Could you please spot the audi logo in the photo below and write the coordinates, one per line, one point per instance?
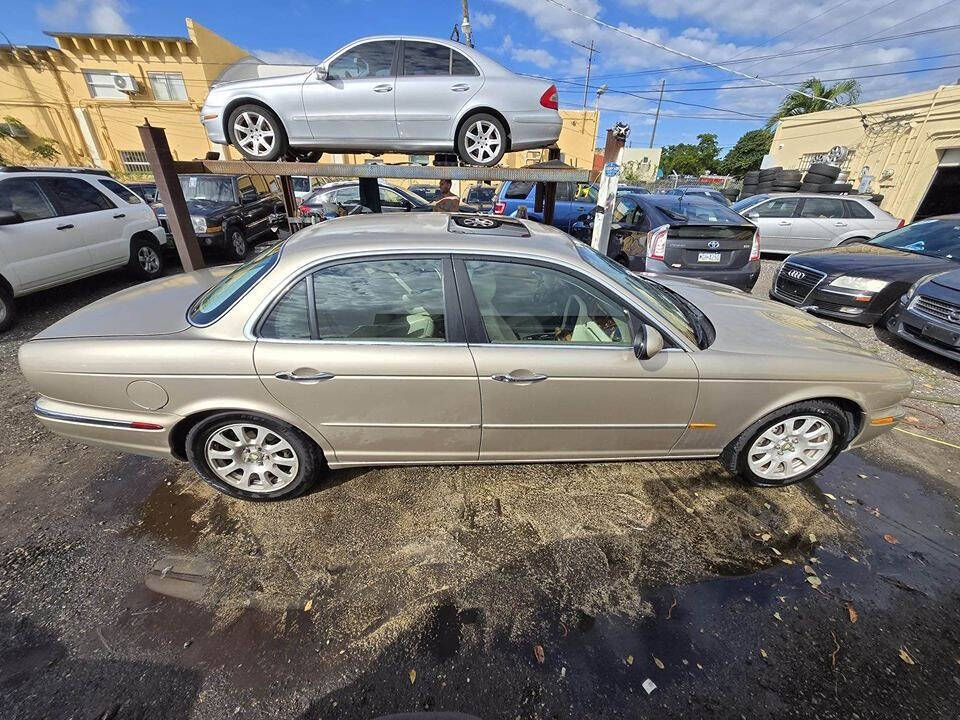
(713, 244)
(796, 274)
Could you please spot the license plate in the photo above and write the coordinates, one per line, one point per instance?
(708, 257)
(940, 335)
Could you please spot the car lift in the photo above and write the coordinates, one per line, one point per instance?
(166, 171)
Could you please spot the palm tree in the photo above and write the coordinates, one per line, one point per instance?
(845, 92)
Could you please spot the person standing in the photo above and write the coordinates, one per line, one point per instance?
(447, 202)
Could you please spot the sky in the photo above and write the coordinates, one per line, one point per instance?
(793, 40)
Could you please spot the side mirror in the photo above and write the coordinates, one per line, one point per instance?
(754, 216)
(10, 217)
(321, 71)
(647, 342)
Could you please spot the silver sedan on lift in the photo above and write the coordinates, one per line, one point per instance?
(387, 93)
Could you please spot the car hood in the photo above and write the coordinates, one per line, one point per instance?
(746, 324)
(950, 280)
(868, 260)
(201, 208)
(152, 308)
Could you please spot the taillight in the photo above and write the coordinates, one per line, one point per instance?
(657, 242)
(755, 248)
(901, 224)
(549, 98)
(499, 208)
(304, 210)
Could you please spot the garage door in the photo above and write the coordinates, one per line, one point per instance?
(943, 197)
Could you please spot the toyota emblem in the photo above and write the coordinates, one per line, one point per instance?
(796, 274)
(713, 244)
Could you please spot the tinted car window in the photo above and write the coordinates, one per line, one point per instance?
(937, 238)
(391, 198)
(748, 202)
(425, 59)
(708, 211)
(624, 210)
(246, 189)
(75, 197)
(126, 194)
(856, 210)
(532, 304)
(822, 208)
(259, 184)
(210, 187)
(776, 208)
(25, 197)
(518, 190)
(381, 300)
(372, 59)
(288, 318)
(349, 195)
(218, 299)
(462, 66)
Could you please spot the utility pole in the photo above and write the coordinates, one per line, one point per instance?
(590, 52)
(465, 24)
(656, 117)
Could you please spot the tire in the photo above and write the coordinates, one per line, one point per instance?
(253, 122)
(765, 187)
(488, 138)
(832, 172)
(235, 243)
(817, 179)
(769, 173)
(146, 258)
(836, 188)
(751, 177)
(809, 187)
(737, 456)
(790, 175)
(8, 309)
(285, 472)
(788, 184)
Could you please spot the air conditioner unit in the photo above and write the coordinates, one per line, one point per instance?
(13, 129)
(125, 83)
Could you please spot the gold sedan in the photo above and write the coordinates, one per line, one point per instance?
(383, 340)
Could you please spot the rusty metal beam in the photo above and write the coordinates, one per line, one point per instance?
(168, 184)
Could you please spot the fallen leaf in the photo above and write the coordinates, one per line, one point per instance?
(699, 666)
(814, 581)
(538, 653)
(658, 662)
(911, 420)
(813, 538)
(850, 502)
(777, 616)
(775, 551)
(763, 653)
(853, 558)
(649, 685)
(413, 676)
(308, 605)
(832, 497)
(809, 570)
(892, 539)
(814, 561)
(766, 536)
(861, 476)
(787, 561)
(629, 659)
(852, 613)
(905, 656)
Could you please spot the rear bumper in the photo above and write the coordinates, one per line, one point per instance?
(741, 278)
(534, 129)
(108, 428)
(915, 327)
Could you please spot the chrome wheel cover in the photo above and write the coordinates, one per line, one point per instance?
(790, 448)
(149, 259)
(254, 133)
(482, 141)
(251, 457)
(239, 244)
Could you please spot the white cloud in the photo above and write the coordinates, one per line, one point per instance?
(287, 56)
(483, 20)
(537, 56)
(106, 16)
(101, 16)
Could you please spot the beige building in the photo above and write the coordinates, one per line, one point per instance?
(641, 164)
(85, 97)
(909, 151)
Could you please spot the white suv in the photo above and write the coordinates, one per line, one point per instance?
(61, 224)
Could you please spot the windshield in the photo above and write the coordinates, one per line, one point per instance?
(749, 202)
(705, 211)
(935, 238)
(206, 187)
(221, 297)
(654, 295)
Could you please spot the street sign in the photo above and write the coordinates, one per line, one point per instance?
(611, 169)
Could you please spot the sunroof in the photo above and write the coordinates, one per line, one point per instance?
(487, 225)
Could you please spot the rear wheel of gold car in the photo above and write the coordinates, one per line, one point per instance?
(253, 457)
(788, 445)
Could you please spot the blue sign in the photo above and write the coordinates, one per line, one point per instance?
(611, 169)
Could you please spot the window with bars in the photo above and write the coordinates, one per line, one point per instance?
(167, 85)
(134, 161)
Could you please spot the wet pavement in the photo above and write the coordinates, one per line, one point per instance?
(505, 592)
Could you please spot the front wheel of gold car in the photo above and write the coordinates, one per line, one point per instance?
(788, 445)
(253, 457)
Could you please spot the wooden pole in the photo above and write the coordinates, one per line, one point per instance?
(168, 185)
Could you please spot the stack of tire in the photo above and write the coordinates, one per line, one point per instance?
(822, 178)
(750, 180)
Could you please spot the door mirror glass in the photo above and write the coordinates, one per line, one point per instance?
(754, 216)
(647, 343)
(10, 217)
(321, 71)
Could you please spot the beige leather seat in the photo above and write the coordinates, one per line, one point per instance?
(585, 329)
(484, 288)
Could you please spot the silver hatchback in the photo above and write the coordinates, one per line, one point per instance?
(377, 94)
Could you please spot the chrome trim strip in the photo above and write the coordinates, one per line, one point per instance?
(798, 265)
(457, 426)
(84, 420)
(561, 426)
(525, 461)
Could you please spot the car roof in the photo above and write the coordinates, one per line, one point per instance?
(415, 232)
(55, 170)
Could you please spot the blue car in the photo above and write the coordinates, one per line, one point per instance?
(573, 200)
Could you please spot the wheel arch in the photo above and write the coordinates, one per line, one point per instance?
(6, 286)
(142, 235)
(482, 109)
(248, 100)
(852, 409)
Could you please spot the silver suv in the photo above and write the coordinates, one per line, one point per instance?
(409, 94)
(791, 222)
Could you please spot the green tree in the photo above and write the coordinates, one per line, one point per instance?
(845, 92)
(709, 151)
(687, 159)
(747, 153)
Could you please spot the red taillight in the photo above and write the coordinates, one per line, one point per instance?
(755, 248)
(304, 210)
(139, 425)
(901, 224)
(549, 98)
(657, 242)
(499, 208)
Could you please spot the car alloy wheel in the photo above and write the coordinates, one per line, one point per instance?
(239, 244)
(791, 447)
(149, 260)
(482, 141)
(251, 457)
(254, 133)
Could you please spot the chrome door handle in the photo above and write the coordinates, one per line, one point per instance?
(840, 224)
(382, 88)
(64, 227)
(117, 217)
(292, 376)
(511, 378)
(785, 222)
(460, 87)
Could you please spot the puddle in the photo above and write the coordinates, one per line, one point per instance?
(167, 515)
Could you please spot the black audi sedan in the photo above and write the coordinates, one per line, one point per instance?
(680, 235)
(928, 315)
(862, 283)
